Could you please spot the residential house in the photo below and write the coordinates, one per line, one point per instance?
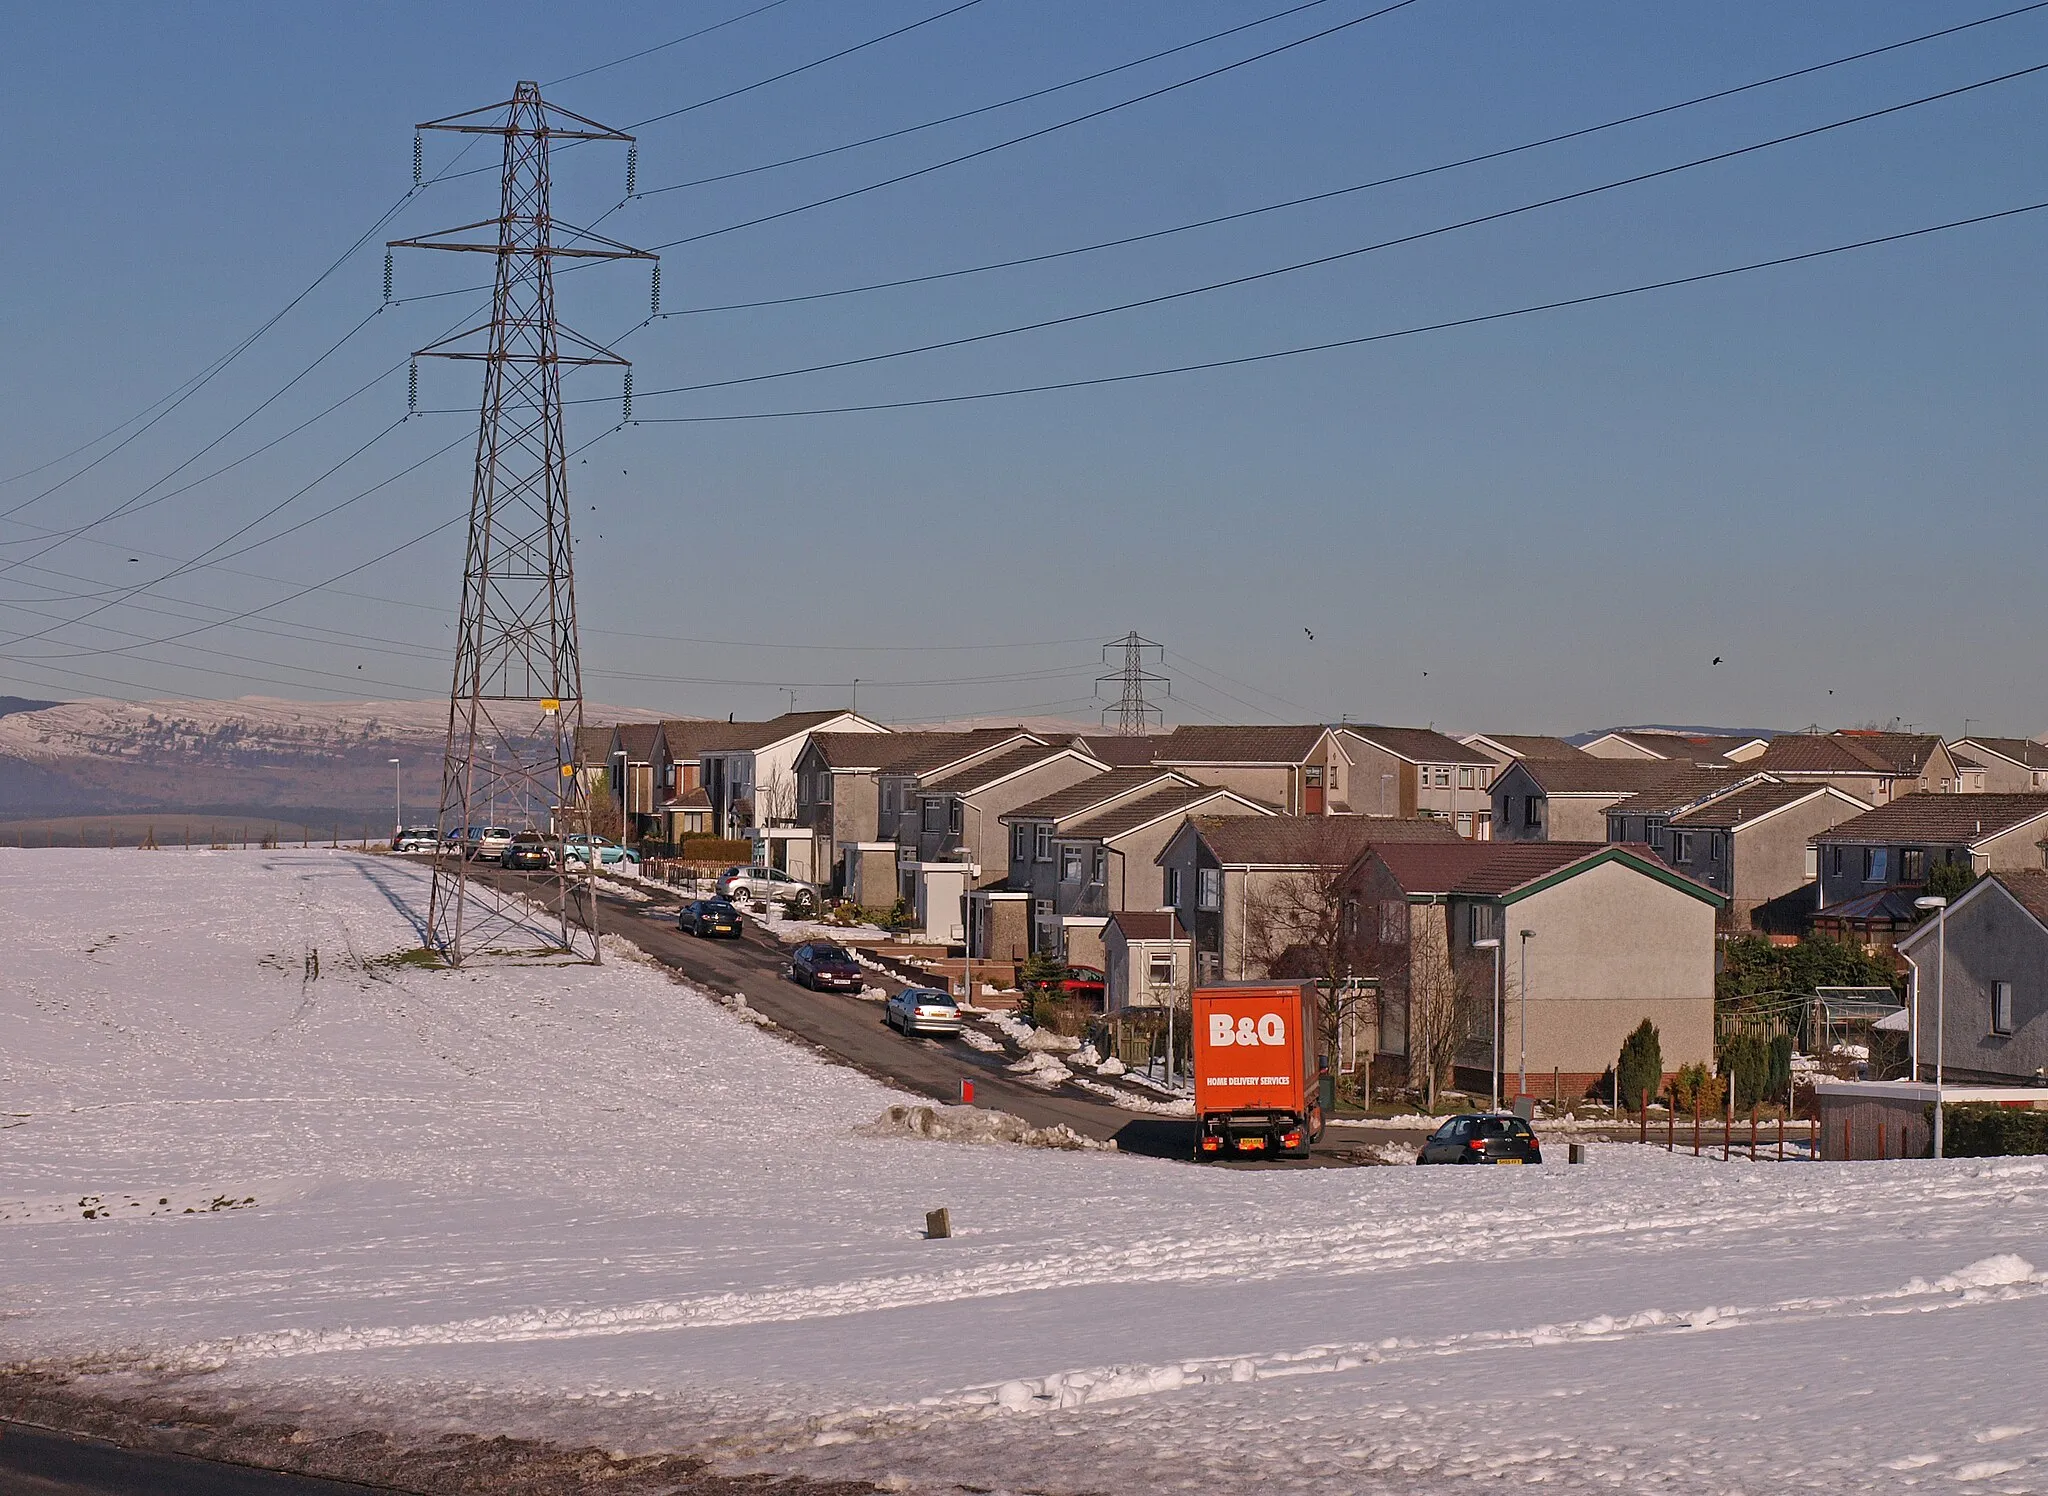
(593, 750)
(2009, 766)
(1145, 959)
(1220, 874)
(1973, 775)
(1505, 748)
(1593, 939)
(1118, 750)
(1675, 745)
(1872, 866)
(1567, 799)
(847, 788)
(750, 778)
(630, 771)
(682, 804)
(1640, 820)
(1302, 770)
(1073, 851)
(1875, 767)
(1754, 845)
(1993, 1008)
(1408, 772)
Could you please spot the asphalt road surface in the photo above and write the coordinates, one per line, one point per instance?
(35, 1462)
(850, 1029)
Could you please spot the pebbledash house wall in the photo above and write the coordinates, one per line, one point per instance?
(1990, 939)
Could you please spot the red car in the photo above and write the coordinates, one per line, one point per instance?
(1084, 981)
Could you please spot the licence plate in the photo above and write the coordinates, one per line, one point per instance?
(1251, 1145)
(1511, 1160)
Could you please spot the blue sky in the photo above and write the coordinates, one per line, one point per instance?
(1827, 474)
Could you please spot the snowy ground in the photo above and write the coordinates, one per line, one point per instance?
(593, 1205)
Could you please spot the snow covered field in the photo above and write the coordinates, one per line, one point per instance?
(594, 1205)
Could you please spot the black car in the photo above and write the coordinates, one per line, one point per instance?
(824, 967)
(710, 917)
(527, 851)
(1482, 1138)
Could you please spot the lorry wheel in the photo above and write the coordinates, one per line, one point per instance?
(1316, 1122)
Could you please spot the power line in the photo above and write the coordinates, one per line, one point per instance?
(1378, 337)
(948, 119)
(745, 15)
(1347, 254)
(840, 197)
(1336, 192)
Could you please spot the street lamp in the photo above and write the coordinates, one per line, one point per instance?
(1522, 1085)
(398, 797)
(1940, 905)
(1492, 943)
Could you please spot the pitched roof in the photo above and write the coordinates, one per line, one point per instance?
(1682, 787)
(1091, 794)
(2029, 890)
(745, 735)
(1119, 750)
(1955, 819)
(593, 744)
(1497, 869)
(1418, 745)
(637, 740)
(902, 750)
(1435, 867)
(1737, 807)
(932, 751)
(692, 799)
(1148, 924)
(980, 776)
(2023, 751)
(1237, 745)
(1694, 747)
(1587, 775)
(688, 737)
(1530, 745)
(1142, 810)
(1862, 753)
(1310, 841)
(1894, 904)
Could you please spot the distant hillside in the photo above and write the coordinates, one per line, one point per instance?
(12, 704)
(1580, 739)
(255, 755)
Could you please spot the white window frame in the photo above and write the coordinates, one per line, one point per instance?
(1041, 841)
(1172, 888)
(1072, 858)
(2001, 1008)
(1209, 888)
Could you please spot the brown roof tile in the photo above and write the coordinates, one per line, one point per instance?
(1119, 750)
(1587, 775)
(1310, 841)
(1148, 924)
(1684, 786)
(743, 735)
(1954, 819)
(1535, 746)
(934, 751)
(897, 750)
(1237, 745)
(1693, 747)
(1091, 794)
(979, 776)
(1883, 753)
(2029, 889)
(637, 739)
(1142, 810)
(2023, 751)
(1733, 808)
(1419, 745)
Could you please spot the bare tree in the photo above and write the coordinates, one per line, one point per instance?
(1307, 925)
(774, 800)
(1442, 1002)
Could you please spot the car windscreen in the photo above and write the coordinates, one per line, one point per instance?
(1503, 1127)
(830, 953)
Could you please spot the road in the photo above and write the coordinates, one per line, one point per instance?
(850, 1030)
(37, 1462)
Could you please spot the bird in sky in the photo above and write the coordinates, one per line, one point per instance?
(1717, 659)
(1310, 632)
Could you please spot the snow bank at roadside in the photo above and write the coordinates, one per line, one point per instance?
(969, 1124)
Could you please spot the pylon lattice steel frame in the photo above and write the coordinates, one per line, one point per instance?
(1132, 715)
(515, 708)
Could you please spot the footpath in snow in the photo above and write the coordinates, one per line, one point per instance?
(593, 1206)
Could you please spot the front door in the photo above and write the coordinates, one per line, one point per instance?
(1312, 790)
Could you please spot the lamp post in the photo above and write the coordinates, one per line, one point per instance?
(1492, 943)
(1940, 906)
(1522, 1036)
(398, 800)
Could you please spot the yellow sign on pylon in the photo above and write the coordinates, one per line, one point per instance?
(550, 705)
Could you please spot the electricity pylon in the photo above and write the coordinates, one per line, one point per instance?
(1133, 716)
(516, 703)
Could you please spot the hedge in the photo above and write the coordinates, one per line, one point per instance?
(1986, 1130)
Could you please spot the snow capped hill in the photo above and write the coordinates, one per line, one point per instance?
(255, 753)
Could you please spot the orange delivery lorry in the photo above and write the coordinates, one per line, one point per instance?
(1257, 1073)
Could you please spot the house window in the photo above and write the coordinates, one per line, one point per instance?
(1653, 834)
(1394, 922)
(1020, 843)
(1835, 861)
(1159, 969)
(2001, 1007)
(1443, 778)
(1466, 779)
(1532, 812)
(1875, 864)
(1172, 889)
(956, 815)
(1099, 874)
(1482, 921)
(1813, 863)
(1209, 890)
(1912, 865)
(934, 815)
(1681, 846)
(1464, 823)
(1041, 843)
(1714, 849)
(1070, 864)
(1617, 828)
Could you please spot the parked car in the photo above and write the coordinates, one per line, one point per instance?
(710, 917)
(417, 839)
(1084, 982)
(609, 853)
(922, 1010)
(527, 851)
(824, 967)
(1482, 1138)
(761, 883)
(487, 842)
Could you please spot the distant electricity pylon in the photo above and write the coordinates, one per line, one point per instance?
(1133, 716)
(516, 703)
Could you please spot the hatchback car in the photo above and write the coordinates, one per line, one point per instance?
(922, 1010)
(1482, 1138)
(416, 839)
(609, 853)
(824, 967)
(486, 842)
(761, 883)
(1085, 982)
(710, 917)
(527, 852)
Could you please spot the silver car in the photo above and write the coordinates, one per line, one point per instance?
(922, 1010)
(487, 842)
(761, 883)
